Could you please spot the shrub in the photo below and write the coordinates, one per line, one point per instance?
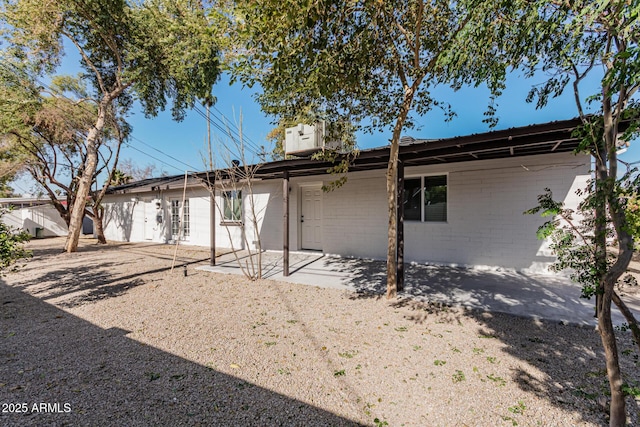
(11, 245)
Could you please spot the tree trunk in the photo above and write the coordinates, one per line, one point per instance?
(86, 179)
(628, 315)
(63, 212)
(392, 182)
(392, 173)
(99, 230)
(617, 412)
(97, 208)
(98, 226)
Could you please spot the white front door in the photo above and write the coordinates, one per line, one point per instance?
(149, 220)
(311, 217)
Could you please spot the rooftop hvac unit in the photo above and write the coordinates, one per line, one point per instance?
(303, 140)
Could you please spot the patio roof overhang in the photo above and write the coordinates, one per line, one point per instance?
(553, 137)
(517, 142)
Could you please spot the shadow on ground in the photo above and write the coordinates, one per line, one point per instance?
(504, 291)
(111, 380)
(50, 356)
(79, 282)
(554, 331)
(568, 359)
(571, 358)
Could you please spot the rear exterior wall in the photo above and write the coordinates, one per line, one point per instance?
(485, 222)
(485, 203)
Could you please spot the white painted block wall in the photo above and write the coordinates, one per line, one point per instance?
(135, 217)
(267, 199)
(355, 217)
(47, 218)
(14, 219)
(123, 219)
(126, 214)
(485, 226)
(485, 223)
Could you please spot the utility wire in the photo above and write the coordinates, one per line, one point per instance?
(235, 126)
(221, 129)
(222, 125)
(46, 86)
(161, 152)
(217, 126)
(232, 131)
(153, 157)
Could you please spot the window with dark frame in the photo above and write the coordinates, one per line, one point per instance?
(413, 199)
(232, 211)
(435, 198)
(425, 198)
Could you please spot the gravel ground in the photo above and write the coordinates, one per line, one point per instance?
(110, 336)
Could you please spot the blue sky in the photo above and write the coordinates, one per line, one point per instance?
(174, 147)
(186, 140)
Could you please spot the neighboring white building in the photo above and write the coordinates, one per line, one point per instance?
(463, 202)
(36, 216)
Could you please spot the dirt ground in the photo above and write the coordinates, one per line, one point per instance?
(112, 336)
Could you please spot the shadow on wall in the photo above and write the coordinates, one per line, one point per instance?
(33, 228)
(544, 256)
(109, 379)
(119, 216)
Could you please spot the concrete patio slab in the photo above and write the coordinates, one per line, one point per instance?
(540, 296)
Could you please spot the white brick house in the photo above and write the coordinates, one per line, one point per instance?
(463, 202)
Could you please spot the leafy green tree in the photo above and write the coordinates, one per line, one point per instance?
(12, 160)
(149, 50)
(370, 63)
(118, 131)
(379, 61)
(10, 165)
(633, 217)
(571, 41)
(11, 246)
(119, 177)
(47, 131)
(5, 188)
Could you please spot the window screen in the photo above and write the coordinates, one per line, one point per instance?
(233, 205)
